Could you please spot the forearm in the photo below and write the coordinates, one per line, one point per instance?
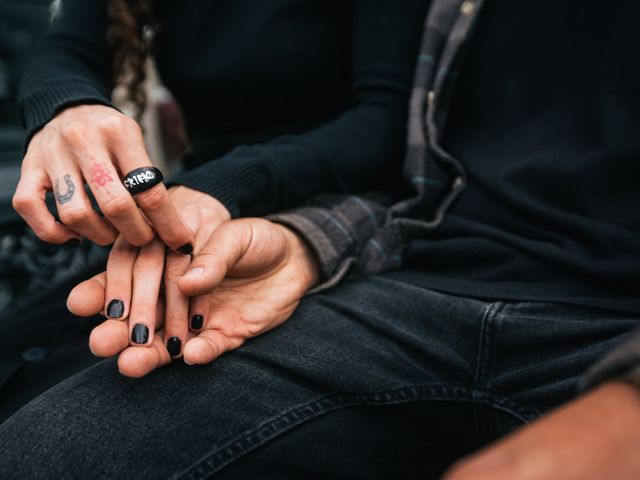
(70, 66)
(355, 152)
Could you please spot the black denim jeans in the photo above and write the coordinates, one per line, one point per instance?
(376, 378)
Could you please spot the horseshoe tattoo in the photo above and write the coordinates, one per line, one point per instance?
(68, 195)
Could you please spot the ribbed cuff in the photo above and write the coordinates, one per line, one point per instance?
(41, 105)
(239, 181)
(623, 364)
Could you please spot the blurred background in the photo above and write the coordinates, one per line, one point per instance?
(22, 23)
(28, 267)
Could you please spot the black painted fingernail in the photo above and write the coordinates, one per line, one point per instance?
(74, 242)
(173, 346)
(140, 334)
(196, 322)
(186, 249)
(115, 309)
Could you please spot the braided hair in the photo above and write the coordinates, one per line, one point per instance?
(130, 34)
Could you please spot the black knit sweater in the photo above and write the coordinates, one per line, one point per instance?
(284, 99)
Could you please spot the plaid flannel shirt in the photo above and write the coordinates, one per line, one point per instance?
(365, 232)
(368, 235)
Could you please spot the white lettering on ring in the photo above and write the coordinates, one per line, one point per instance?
(139, 179)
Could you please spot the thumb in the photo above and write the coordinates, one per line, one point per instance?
(225, 247)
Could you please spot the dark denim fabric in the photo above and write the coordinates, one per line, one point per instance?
(377, 378)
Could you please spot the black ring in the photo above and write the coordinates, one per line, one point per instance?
(142, 179)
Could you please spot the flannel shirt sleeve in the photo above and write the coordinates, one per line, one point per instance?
(336, 228)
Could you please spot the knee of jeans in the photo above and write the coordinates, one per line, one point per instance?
(62, 433)
(39, 442)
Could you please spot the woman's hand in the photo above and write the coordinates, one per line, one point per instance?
(134, 276)
(251, 274)
(96, 145)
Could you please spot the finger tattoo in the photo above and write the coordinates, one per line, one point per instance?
(68, 195)
(100, 176)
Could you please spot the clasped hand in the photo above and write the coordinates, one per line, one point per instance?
(246, 277)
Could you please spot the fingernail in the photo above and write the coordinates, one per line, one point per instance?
(186, 249)
(173, 346)
(115, 309)
(74, 242)
(140, 334)
(194, 272)
(197, 321)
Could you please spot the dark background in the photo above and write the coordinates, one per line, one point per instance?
(29, 268)
(22, 23)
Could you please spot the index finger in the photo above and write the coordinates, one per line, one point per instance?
(130, 154)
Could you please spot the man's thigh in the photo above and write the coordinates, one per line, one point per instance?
(530, 357)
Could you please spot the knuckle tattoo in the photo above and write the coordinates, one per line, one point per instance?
(70, 189)
(100, 175)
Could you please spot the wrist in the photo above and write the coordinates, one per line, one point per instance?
(182, 196)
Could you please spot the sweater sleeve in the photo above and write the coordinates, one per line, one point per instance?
(70, 66)
(358, 150)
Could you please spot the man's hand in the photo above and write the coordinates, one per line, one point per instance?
(596, 437)
(255, 273)
(252, 274)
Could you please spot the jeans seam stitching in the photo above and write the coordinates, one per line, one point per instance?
(243, 443)
(484, 342)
